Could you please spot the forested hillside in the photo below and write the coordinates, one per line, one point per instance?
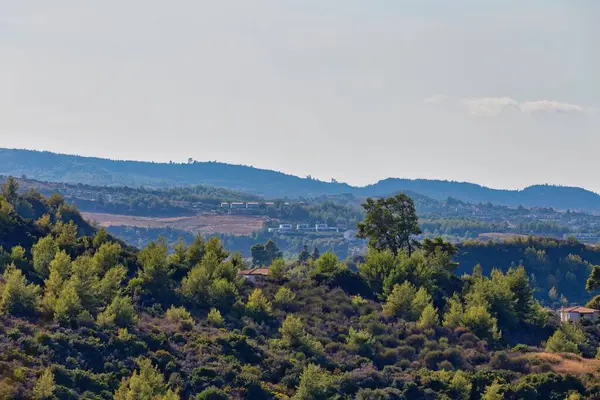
(142, 201)
(96, 171)
(83, 316)
(560, 197)
(557, 268)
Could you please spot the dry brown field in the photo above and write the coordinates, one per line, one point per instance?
(207, 223)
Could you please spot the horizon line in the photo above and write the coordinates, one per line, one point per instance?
(294, 175)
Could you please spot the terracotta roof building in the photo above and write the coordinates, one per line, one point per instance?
(254, 274)
(577, 312)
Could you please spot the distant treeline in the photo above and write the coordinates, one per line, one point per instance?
(75, 169)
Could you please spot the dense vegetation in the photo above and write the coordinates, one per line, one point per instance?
(83, 316)
(177, 201)
(556, 268)
(96, 171)
(289, 244)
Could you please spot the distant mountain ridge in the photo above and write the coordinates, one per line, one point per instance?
(74, 169)
(560, 197)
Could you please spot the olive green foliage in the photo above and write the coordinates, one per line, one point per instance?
(429, 318)
(258, 307)
(593, 281)
(328, 263)
(461, 386)
(119, 312)
(294, 336)
(454, 315)
(178, 314)
(420, 302)
(284, 297)
(314, 384)
(555, 268)
(68, 305)
(378, 266)
(265, 254)
(399, 302)
(212, 393)
(277, 270)
(154, 276)
(390, 223)
(493, 392)
(566, 339)
(145, 384)
(215, 318)
(106, 257)
(196, 251)
(43, 253)
(45, 385)
(478, 320)
(19, 297)
(212, 282)
(358, 300)
(360, 340)
(100, 320)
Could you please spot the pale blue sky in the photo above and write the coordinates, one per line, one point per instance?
(502, 93)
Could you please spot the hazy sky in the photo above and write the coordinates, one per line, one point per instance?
(503, 93)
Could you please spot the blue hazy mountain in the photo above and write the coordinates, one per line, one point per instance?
(74, 169)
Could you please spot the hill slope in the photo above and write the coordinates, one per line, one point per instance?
(560, 197)
(83, 317)
(97, 171)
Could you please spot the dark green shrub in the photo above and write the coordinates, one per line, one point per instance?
(212, 393)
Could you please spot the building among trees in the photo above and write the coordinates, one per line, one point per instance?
(578, 312)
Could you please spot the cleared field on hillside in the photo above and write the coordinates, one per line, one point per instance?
(566, 363)
(498, 236)
(233, 224)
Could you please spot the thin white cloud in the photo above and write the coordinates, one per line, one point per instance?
(494, 106)
(490, 106)
(554, 107)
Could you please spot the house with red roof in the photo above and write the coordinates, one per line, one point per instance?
(577, 312)
(254, 275)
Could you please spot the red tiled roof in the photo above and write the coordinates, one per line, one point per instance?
(580, 310)
(256, 271)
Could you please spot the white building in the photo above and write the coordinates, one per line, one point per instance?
(321, 227)
(325, 228)
(578, 312)
(285, 227)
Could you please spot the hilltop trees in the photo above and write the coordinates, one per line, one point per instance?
(212, 282)
(593, 281)
(390, 223)
(304, 255)
(10, 190)
(265, 254)
(399, 301)
(328, 263)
